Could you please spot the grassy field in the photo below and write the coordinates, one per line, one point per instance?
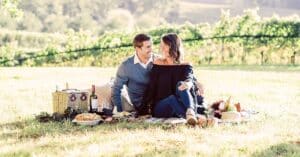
(275, 131)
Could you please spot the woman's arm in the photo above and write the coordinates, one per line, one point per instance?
(188, 76)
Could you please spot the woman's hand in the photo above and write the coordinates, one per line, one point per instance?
(184, 86)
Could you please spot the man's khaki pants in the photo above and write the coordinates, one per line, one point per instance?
(126, 103)
(104, 98)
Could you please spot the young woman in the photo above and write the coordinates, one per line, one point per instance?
(171, 82)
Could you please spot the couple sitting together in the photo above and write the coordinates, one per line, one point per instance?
(163, 86)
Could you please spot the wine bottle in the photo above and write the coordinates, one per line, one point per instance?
(228, 103)
(67, 85)
(93, 101)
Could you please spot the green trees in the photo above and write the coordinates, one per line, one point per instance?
(11, 6)
(97, 16)
(245, 39)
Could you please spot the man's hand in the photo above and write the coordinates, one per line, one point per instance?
(200, 90)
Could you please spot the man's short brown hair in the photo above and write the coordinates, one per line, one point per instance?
(139, 39)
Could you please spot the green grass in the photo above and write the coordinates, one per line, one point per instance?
(273, 92)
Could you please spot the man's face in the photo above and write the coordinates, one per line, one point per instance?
(146, 50)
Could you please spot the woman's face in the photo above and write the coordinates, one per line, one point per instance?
(164, 49)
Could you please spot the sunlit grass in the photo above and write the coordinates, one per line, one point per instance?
(273, 132)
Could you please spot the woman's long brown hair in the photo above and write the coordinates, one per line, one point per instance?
(174, 42)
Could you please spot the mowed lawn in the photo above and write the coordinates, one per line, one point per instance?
(275, 131)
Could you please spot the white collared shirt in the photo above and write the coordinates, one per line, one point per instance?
(137, 60)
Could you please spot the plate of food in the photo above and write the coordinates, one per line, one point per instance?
(89, 119)
(231, 117)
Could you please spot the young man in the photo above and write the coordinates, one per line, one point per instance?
(133, 76)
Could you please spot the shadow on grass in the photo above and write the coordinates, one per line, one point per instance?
(150, 152)
(164, 152)
(33, 129)
(23, 131)
(283, 150)
(18, 154)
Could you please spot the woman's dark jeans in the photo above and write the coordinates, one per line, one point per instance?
(175, 105)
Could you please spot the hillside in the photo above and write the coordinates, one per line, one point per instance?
(100, 16)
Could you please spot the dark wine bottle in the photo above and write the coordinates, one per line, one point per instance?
(93, 101)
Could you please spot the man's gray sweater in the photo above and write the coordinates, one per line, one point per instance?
(135, 78)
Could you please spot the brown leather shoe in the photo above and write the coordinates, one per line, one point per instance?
(191, 117)
(202, 121)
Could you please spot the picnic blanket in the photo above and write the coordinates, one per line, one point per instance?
(166, 120)
(247, 116)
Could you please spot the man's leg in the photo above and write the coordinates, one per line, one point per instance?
(126, 103)
(126, 106)
(201, 105)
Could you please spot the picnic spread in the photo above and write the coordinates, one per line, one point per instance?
(74, 105)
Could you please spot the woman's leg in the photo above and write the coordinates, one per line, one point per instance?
(185, 97)
(169, 107)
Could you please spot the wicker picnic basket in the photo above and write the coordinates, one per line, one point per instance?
(73, 98)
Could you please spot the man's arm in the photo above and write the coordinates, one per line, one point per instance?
(200, 87)
(121, 79)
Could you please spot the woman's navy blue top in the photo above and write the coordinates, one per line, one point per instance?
(163, 81)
